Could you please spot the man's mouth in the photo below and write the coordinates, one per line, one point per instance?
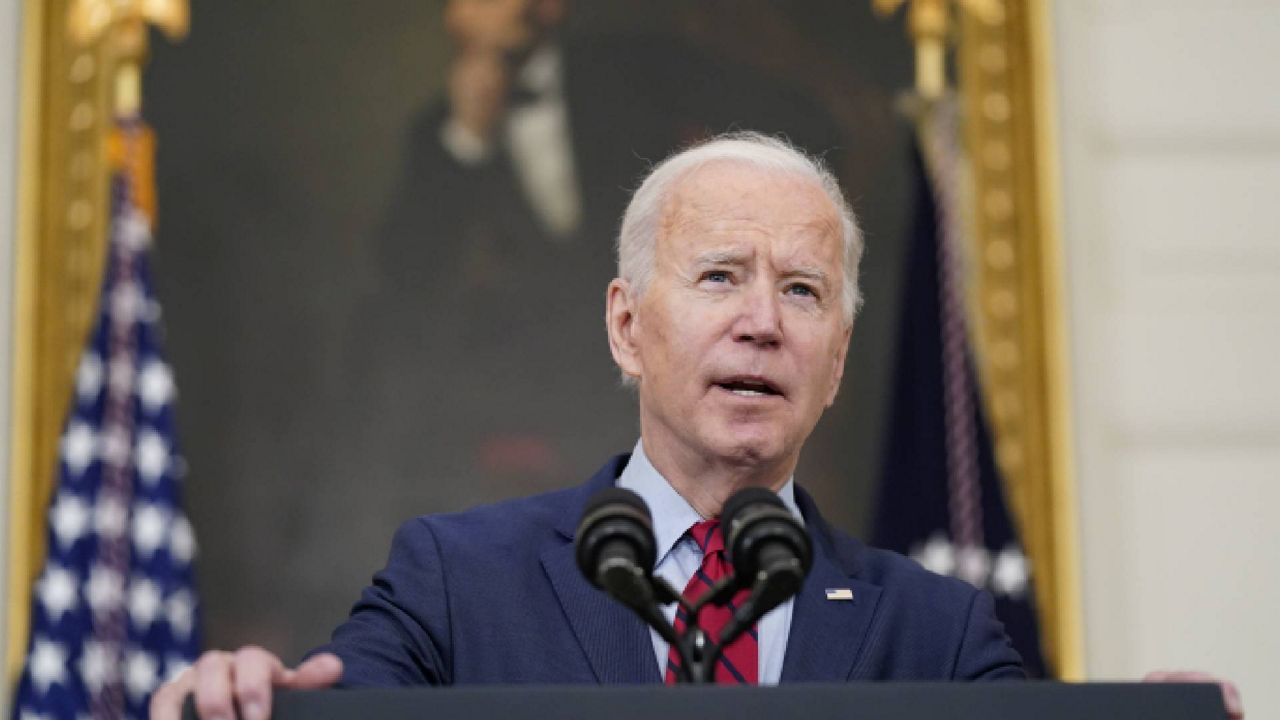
(749, 387)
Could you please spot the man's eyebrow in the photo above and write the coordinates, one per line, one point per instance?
(721, 257)
(808, 273)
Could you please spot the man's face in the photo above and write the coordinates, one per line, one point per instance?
(739, 340)
(501, 25)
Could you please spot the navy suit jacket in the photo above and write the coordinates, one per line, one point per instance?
(494, 595)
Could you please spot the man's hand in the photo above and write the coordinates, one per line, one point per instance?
(224, 681)
(1230, 695)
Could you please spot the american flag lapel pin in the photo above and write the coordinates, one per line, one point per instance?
(839, 594)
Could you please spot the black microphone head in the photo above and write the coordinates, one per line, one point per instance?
(617, 496)
(738, 501)
(614, 520)
(756, 520)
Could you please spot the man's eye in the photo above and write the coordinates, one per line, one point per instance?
(801, 290)
(716, 276)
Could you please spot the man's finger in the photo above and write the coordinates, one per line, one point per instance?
(1230, 694)
(254, 671)
(166, 702)
(317, 672)
(213, 686)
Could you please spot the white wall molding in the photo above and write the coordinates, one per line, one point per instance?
(1170, 136)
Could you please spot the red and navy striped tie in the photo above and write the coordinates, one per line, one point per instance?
(739, 665)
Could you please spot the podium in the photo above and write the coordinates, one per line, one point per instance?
(869, 701)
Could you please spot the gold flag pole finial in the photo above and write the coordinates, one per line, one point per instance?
(123, 24)
(929, 23)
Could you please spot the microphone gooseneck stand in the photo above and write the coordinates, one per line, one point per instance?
(767, 548)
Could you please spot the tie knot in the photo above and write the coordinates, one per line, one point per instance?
(708, 536)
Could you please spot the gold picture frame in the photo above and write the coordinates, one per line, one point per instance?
(62, 217)
(1007, 96)
(1006, 90)
(1015, 276)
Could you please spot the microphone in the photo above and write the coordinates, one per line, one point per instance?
(616, 552)
(614, 544)
(770, 553)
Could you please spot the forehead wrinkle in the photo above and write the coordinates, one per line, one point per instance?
(713, 216)
(688, 200)
(691, 211)
(716, 222)
(809, 240)
(744, 227)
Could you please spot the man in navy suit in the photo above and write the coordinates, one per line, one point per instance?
(731, 316)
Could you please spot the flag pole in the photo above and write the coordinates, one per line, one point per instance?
(929, 24)
(124, 26)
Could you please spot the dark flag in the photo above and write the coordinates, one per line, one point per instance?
(941, 499)
(114, 610)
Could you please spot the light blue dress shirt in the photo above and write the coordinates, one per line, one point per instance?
(679, 557)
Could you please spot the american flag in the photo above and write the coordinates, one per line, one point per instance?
(942, 497)
(114, 611)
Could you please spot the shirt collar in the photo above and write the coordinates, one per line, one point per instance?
(540, 75)
(672, 514)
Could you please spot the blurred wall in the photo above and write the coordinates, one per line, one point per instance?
(1171, 144)
(10, 52)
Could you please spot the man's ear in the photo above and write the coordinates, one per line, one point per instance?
(837, 370)
(620, 306)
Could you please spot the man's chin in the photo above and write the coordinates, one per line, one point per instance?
(751, 449)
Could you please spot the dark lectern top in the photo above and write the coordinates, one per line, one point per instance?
(879, 701)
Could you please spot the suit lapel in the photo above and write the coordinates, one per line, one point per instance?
(825, 638)
(827, 635)
(615, 641)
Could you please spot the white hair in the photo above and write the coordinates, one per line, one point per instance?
(644, 215)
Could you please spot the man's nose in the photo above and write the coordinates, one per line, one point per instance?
(760, 318)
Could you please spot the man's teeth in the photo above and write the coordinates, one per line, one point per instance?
(745, 388)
